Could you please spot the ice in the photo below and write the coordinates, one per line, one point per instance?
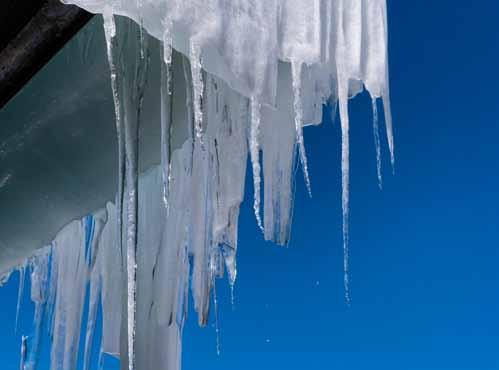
(128, 107)
(39, 266)
(296, 69)
(166, 114)
(22, 271)
(197, 87)
(95, 226)
(377, 143)
(238, 78)
(24, 351)
(279, 144)
(69, 260)
(255, 156)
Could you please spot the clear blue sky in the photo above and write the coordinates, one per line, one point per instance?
(424, 251)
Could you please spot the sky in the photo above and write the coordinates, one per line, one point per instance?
(424, 256)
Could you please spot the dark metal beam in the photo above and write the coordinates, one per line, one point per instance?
(36, 43)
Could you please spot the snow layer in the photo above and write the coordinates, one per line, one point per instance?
(251, 74)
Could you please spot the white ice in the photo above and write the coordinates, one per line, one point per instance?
(239, 78)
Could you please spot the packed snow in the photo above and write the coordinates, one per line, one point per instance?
(251, 74)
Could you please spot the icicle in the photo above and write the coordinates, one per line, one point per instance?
(215, 304)
(345, 182)
(131, 138)
(389, 129)
(141, 28)
(232, 296)
(22, 271)
(385, 96)
(24, 351)
(71, 276)
(296, 68)
(128, 129)
(342, 45)
(166, 109)
(255, 156)
(39, 276)
(132, 123)
(197, 89)
(93, 239)
(110, 34)
(377, 142)
(189, 108)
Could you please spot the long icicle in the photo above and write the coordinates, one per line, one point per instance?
(389, 128)
(345, 183)
(197, 89)
(189, 109)
(385, 94)
(296, 68)
(166, 109)
(128, 131)
(345, 175)
(377, 144)
(132, 124)
(22, 271)
(24, 352)
(110, 34)
(255, 156)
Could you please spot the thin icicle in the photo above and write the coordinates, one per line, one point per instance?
(24, 351)
(110, 34)
(345, 183)
(377, 142)
(22, 271)
(389, 128)
(296, 68)
(385, 96)
(215, 304)
(188, 106)
(255, 156)
(132, 124)
(232, 295)
(197, 89)
(128, 130)
(141, 28)
(166, 113)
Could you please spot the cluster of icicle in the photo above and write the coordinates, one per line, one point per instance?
(254, 73)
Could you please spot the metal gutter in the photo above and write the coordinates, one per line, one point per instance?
(48, 30)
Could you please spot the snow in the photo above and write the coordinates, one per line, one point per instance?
(249, 75)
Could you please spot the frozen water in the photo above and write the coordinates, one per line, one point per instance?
(22, 271)
(238, 78)
(255, 156)
(377, 143)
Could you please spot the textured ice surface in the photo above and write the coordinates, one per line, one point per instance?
(249, 74)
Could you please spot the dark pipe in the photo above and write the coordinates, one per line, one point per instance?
(38, 41)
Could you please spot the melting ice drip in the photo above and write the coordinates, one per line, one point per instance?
(252, 73)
